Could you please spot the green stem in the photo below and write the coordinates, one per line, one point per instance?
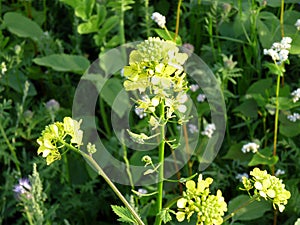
(161, 156)
(94, 164)
(276, 119)
(147, 20)
(28, 215)
(11, 148)
(281, 18)
(104, 117)
(121, 28)
(177, 20)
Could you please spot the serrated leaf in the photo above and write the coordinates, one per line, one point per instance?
(22, 26)
(252, 211)
(64, 63)
(124, 214)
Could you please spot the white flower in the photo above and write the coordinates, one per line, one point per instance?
(209, 130)
(142, 191)
(297, 24)
(140, 112)
(194, 87)
(279, 172)
(201, 98)
(279, 50)
(296, 95)
(3, 68)
(193, 128)
(159, 19)
(240, 176)
(294, 117)
(251, 146)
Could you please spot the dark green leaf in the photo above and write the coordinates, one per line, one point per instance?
(22, 26)
(168, 36)
(251, 211)
(124, 214)
(263, 157)
(64, 63)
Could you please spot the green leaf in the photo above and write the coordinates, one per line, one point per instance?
(287, 127)
(64, 63)
(17, 81)
(165, 215)
(268, 28)
(164, 35)
(124, 214)
(277, 3)
(111, 90)
(109, 24)
(235, 153)
(248, 108)
(263, 157)
(260, 86)
(22, 26)
(251, 211)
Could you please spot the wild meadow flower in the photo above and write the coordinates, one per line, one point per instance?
(279, 50)
(279, 172)
(54, 134)
(23, 188)
(159, 19)
(201, 98)
(294, 117)
(197, 199)
(52, 105)
(194, 87)
(297, 24)
(296, 95)
(3, 68)
(268, 187)
(209, 130)
(192, 128)
(240, 176)
(250, 147)
(140, 112)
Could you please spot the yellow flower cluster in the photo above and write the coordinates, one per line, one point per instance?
(267, 186)
(197, 199)
(54, 136)
(156, 70)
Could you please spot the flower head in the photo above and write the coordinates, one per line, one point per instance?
(193, 128)
(159, 19)
(23, 188)
(52, 105)
(3, 68)
(294, 117)
(250, 147)
(279, 50)
(201, 98)
(55, 134)
(197, 199)
(296, 95)
(209, 130)
(268, 187)
(297, 24)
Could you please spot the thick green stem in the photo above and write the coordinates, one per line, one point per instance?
(104, 116)
(161, 156)
(121, 28)
(94, 164)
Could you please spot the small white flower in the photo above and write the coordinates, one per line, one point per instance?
(201, 98)
(297, 24)
(296, 95)
(3, 68)
(194, 87)
(294, 117)
(209, 130)
(140, 112)
(142, 191)
(251, 146)
(279, 172)
(240, 176)
(182, 97)
(279, 50)
(193, 128)
(159, 19)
